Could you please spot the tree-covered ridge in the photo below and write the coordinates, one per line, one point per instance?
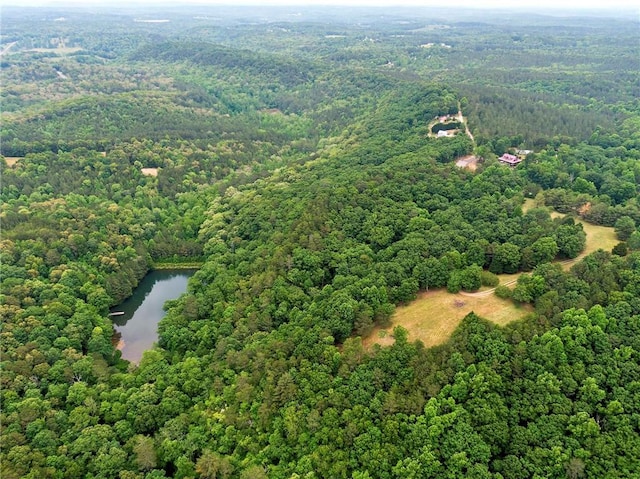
(182, 91)
(316, 203)
(553, 80)
(285, 71)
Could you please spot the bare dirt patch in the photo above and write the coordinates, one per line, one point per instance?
(149, 171)
(470, 162)
(584, 208)
(12, 160)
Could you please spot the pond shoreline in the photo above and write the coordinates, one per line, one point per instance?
(135, 329)
(178, 266)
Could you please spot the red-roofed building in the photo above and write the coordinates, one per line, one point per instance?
(510, 160)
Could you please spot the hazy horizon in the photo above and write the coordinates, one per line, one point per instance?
(467, 4)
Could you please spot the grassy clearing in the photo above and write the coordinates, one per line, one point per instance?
(60, 51)
(598, 237)
(12, 160)
(507, 278)
(528, 204)
(436, 314)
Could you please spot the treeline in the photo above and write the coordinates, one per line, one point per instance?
(95, 122)
(285, 71)
(95, 215)
(199, 102)
(530, 119)
(599, 279)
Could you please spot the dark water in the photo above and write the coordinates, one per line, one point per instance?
(137, 328)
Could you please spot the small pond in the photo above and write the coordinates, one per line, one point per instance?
(137, 328)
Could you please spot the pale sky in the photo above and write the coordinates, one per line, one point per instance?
(512, 4)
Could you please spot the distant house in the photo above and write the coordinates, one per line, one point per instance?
(510, 160)
(523, 153)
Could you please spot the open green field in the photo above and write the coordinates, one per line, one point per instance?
(434, 315)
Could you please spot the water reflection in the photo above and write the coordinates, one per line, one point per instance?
(137, 328)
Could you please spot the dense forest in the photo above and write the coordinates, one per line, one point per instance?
(292, 154)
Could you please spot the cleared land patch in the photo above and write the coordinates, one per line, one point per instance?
(59, 50)
(470, 162)
(598, 237)
(528, 204)
(12, 160)
(434, 315)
